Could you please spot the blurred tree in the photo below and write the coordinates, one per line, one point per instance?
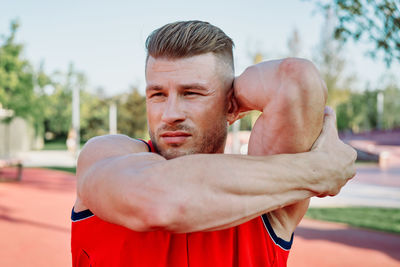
(132, 119)
(375, 21)
(331, 64)
(359, 113)
(41, 81)
(94, 115)
(58, 112)
(391, 111)
(16, 78)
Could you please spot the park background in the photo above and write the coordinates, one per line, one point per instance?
(54, 53)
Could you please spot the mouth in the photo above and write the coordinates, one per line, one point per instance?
(175, 137)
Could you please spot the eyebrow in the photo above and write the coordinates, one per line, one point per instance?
(196, 86)
(153, 88)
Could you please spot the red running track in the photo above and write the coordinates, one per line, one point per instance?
(35, 230)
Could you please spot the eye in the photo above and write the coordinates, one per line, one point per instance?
(189, 93)
(157, 95)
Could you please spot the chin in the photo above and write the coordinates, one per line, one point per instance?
(172, 153)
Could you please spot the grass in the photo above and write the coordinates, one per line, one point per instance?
(59, 145)
(382, 219)
(66, 169)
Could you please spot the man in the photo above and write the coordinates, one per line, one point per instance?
(177, 200)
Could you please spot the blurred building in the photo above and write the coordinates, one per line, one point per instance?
(16, 136)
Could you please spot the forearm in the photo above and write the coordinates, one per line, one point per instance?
(202, 192)
(225, 190)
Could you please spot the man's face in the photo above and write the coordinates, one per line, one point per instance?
(186, 105)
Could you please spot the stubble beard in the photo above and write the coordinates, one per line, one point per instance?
(210, 141)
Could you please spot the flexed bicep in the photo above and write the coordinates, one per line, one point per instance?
(291, 96)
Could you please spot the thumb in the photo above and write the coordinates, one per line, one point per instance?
(329, 121)
(328, 111)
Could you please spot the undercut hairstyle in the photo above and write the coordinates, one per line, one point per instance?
(189, 38)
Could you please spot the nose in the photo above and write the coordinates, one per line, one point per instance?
(173, 112)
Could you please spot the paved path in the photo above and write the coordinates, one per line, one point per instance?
(35, 230)
(370, 187)
(337, 245)
(60, 158)
(35, 219)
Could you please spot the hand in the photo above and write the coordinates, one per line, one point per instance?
(340, 157)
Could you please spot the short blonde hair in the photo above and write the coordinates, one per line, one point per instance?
(189, 38)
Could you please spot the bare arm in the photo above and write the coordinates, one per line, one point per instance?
(292, 97)
(123, 184)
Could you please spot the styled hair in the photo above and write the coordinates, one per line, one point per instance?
(189, 38)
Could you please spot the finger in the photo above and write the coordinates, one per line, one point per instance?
(330, 123)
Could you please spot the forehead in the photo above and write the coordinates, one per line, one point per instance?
(200, 68)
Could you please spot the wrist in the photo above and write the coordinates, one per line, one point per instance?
(319, 164)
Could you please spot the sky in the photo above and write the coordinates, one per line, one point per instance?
(105, 39)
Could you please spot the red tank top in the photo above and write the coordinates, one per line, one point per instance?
(95, 242)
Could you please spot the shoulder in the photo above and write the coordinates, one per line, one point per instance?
(117, 141)
(106, 146)
(103, 147)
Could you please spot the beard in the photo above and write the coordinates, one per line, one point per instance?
(209, 141)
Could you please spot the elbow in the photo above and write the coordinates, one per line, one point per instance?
(162, 207)
(145, 217)
(157, 206)
(163, 217)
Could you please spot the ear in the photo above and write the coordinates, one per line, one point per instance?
(233, 108)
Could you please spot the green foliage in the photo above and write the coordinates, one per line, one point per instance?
(16, 77)
(391, 111)
(132, 119)
(383, 219)
(94, 115)
(375, 21)
(360, 113)
(58, 108)
(21, 88)
(356, 111)
(94, 110)
(248, 121)
(131, 114)
(58, 111)
(55, 145)
(331, 63)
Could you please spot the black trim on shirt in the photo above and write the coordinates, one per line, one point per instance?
(147, 144)
(77, 216)
(285, 245)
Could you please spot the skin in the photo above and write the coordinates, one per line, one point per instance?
(292, 116)
(177, 191)
(186, 109)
